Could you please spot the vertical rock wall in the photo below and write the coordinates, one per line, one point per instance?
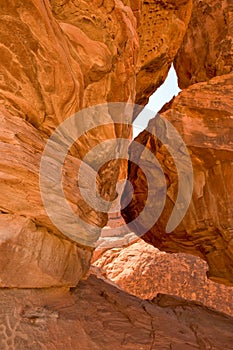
(57, 58)
(202, 114)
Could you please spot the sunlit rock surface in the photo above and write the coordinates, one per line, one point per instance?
(203, 116)
(161, 31)
(56, 58)
(144, 271)
(207, 49)
(98, 316)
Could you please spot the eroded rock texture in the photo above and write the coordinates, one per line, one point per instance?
(161, 30)
(98, 316)
(57, 58)
(203, 116)
(206, 51)
(43, 259)
(144, 271)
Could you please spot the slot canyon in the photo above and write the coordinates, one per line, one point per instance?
(87, 261)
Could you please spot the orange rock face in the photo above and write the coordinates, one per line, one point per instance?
(206, 51)
(52, 65)
(98, 316)
(61, 57)
(161, 30)
(57, 58)
(203, 116)
(144, 271)
(30, 256)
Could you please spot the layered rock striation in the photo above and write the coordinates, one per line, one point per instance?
(202, 116)
(61, 57)
(56, 59)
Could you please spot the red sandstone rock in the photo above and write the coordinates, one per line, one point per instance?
(202, 114)
(31, 257)
(144, 271)
(58, 57)
(98, 316)
(52, 65)
(206, 51)
(161, 31)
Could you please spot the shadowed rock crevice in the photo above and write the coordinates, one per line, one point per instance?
(58, 58)
(202, 115)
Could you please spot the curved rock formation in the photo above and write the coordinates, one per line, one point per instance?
(144, 271)
(203, 116)
(161, 30)
(60, 57)
(52, 65)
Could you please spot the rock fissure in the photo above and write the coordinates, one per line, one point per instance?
(59, 58)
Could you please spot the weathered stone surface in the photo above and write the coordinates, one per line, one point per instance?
(207, 49)
(58, 68)
(58, 57)
(144, 271)
(31, 257)
(161, 30)
(203, 116)
(22, 146)
(103, 39)
(98, 316)
(52, 65)
(27, 235)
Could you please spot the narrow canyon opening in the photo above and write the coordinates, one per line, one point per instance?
(162, 95)
(67, 72)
